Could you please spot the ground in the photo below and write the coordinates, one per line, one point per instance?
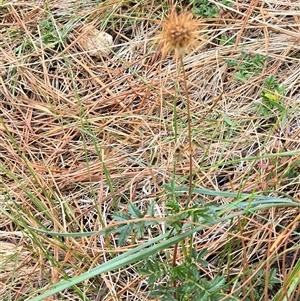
(90, 139)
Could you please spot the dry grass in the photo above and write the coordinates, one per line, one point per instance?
(83, 137)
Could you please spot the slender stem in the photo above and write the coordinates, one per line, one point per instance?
(190, 157)
(188, 105)
(175, 121)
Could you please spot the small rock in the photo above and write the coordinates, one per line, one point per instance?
(97, 43)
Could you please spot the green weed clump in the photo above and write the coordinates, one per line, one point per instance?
(271, 97)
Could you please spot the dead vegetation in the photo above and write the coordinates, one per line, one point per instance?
(82, 136)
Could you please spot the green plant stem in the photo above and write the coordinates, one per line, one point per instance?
(190, 151)
(188, 106)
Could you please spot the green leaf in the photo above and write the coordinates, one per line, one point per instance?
(121, 216)
(291, 284)
(124, 232)
(216, 284)
(227, 119)
(134, 211)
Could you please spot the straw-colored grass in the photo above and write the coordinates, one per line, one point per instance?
(82, 137)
